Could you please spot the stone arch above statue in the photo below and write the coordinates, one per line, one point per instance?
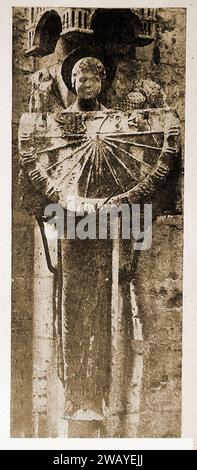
(119, 27)
(46, 35)
(122, 27)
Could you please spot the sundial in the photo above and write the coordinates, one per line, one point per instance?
(97, 155)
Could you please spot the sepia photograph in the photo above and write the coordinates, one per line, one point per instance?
(98, 142)
(98, 249)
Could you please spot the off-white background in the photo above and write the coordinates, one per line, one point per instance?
(189, 394)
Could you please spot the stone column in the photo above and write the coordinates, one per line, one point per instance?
(48, 397)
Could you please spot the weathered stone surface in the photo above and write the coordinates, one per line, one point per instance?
(157, 425)
(21, 374)
(23, 251)
(160, 304)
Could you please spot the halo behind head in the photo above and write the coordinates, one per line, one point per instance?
(94, 59)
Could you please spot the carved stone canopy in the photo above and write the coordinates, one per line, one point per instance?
(118, 26)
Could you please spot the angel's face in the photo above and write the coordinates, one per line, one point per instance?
(87, 85)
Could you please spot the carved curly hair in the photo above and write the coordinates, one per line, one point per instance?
(88, 64)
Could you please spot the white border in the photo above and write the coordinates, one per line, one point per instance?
(189, 415)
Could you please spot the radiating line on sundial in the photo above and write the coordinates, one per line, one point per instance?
(78, 149)
(134, 144)
(97, 161)
(155, 140)
(90, 171)
(128, 153)
(58, 147)
(132, 134)
(112, 171)
(87, 149)
(120, 161)
(79, 174)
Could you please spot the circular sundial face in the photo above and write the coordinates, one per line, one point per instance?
(96, 155)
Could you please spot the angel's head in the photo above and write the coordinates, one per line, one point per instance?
(88, 77)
